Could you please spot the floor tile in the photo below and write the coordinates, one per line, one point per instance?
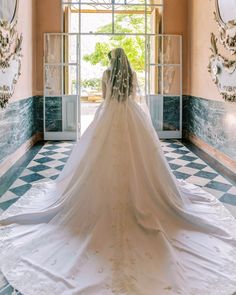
(50, 158)
(60, 168)
(188, 170)
(199, 161)
(172, 155)
(174, 166)
(7, 204)
(32, 177)
(51, 147)
(21, 190)
(198, 180)
(44, 160)
(17, 183)
(59, 156)
(26, 172)
(179, 162)
(232, 190)
(8, 196)
(180, 175)
(209, 169)
(221, 179)
(188, 158)
(219, 186)
(47, 153)
(56, 163)
(169, 158)
(205, 174)
(38, 168)
(48, 173)
(215, 193)
(181, 151)
(229, 199)
(195, 165)
(64, 160)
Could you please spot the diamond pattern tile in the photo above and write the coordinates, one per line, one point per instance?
(32, 177)
(188, 166)
(38, 168)
(43, 160)
(51, 159)
(20, 190)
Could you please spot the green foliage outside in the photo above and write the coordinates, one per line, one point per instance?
(92, 84)
(134, 46)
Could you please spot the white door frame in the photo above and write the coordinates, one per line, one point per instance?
(146, 35)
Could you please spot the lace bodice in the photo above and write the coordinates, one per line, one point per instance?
(106, 90)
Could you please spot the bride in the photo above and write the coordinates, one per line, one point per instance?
(117, 221)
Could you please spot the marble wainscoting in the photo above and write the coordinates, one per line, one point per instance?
(21, 125)
(171, 113)
(211, 125)
(165, 112)
(53, 112)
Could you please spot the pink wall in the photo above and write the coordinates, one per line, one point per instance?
(201, 24)
(26, 25)
(34, 18)
(48, 21)
(175, 22)
(190, 18)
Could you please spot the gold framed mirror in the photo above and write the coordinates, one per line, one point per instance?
(8, 10)
(225, 16)
(10, 50)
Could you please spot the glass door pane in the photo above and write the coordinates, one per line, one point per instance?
(61, 86)
(165, 84)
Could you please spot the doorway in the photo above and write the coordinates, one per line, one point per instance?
(91, 30)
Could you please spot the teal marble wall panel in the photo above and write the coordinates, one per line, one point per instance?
(212, 121)
(38, 113)
(19, 121)
(171, 113)
(53, 114)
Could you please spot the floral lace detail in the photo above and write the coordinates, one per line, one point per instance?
(124, 268)
(22, 204)
(23, 277)
(5, 232)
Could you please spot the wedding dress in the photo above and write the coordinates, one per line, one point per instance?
(117, 221)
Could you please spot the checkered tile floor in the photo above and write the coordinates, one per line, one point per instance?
(51, 158)
(186, 165)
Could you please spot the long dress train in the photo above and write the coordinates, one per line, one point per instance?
(117, 222)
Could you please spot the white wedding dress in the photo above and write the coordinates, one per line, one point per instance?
(118, 222)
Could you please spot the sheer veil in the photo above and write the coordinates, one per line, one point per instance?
(121, 79)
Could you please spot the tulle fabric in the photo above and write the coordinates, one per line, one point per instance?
(116, 221)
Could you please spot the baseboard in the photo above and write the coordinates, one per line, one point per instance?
(6, 164)
(217, 155)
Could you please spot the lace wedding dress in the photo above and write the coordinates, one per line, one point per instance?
(116, 221)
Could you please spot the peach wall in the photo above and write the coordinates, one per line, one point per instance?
(201, 24)
(48, 20)
(26, 25)
(176, 22)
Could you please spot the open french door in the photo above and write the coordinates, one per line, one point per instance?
(61, 86)
(164, 83)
